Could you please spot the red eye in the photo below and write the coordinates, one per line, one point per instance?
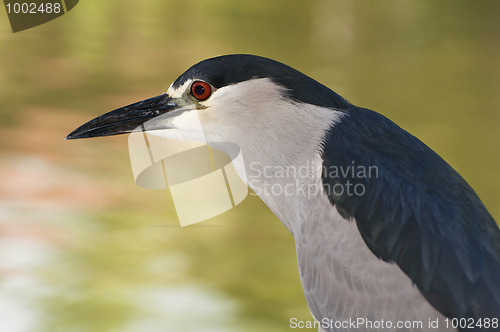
(201, 90)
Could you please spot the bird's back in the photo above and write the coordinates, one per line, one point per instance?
(418, 213)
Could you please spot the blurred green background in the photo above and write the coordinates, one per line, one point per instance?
(84, 249)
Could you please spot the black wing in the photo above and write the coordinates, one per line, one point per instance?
(416, 211)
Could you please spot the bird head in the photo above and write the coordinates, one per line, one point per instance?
(232, 97)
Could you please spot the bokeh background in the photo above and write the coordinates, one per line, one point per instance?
(82, 248)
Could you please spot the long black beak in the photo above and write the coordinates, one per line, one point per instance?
(125, 119)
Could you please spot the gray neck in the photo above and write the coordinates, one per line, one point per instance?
(285, 171)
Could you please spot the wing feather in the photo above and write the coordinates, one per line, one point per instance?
(417, 212)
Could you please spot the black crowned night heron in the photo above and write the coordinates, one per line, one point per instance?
(395, 235)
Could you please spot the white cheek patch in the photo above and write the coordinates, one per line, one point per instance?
(179, 92)
(187, 120)
(185, 126)
(180, 135)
